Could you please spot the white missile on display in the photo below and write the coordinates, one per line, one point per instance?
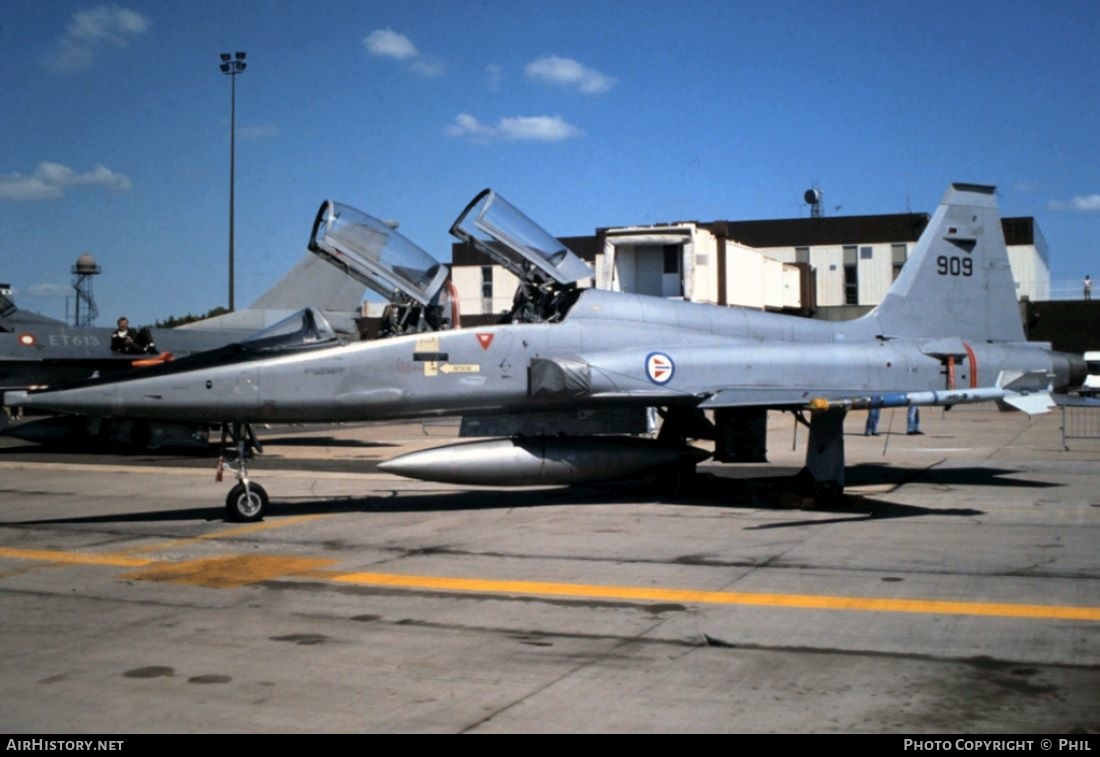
(546, 460)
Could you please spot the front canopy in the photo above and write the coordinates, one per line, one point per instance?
(375, 254)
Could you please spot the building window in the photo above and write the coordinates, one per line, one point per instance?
(866, 253)
(672, 258)
(802, 255)
(851, 285)
(898, 254)
(851, 275)
(486, 289)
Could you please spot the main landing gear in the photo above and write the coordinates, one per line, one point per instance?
(823, 477)
(247, 501)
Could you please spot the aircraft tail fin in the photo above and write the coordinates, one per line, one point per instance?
(12, 317)
(7, 305)
(312, 282)
(957, 281)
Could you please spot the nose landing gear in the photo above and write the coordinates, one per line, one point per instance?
(247, 501)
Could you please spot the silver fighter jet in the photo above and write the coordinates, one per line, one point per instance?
(567, 383)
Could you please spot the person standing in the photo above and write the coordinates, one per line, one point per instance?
(1088, 287)
(871, 427)
(913, 421)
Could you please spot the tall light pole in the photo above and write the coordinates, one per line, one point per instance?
(232, 65)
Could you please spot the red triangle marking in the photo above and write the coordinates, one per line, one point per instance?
(485, 340)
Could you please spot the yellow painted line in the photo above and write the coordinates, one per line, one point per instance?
(225, 572)
(239, 570)
(648, 594)
(211, 572)
(126, 558)
(228, 532)
(74, 558)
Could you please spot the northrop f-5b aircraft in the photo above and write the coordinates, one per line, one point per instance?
(566, 384)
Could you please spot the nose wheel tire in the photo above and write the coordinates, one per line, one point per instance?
(246, 505)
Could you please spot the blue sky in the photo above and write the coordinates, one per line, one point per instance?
(115, 131)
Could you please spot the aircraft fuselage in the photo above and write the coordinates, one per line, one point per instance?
(681, 353)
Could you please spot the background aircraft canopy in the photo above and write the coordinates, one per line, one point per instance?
(501, 231)
(374, 253)
(305, 328)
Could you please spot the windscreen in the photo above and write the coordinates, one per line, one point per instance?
(503, 232)
(305, 328)
(374, 253)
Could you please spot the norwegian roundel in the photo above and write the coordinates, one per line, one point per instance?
(27, 340)
(659, 367)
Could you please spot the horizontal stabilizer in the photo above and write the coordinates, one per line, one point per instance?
(1024, 381)
(1032, 404)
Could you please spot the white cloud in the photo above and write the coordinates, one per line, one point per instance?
(496, 74)
(466, 125)
(514, 129)
(1085, 203)
(567, 72)
(538, 128)
(50, 180)
(89, 31)
(387, 43)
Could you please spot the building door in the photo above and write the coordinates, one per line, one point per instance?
(651, 269)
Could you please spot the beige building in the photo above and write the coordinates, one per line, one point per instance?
(804, 265)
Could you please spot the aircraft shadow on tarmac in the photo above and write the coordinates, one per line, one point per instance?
(873, 473)
(320, 441)
(705, 491)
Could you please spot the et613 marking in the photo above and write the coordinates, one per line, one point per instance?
(954, 266)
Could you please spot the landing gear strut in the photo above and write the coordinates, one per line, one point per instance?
(247, 501)
(823, 476)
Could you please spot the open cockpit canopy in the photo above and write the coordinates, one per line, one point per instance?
(500, 230)
(374, 252)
